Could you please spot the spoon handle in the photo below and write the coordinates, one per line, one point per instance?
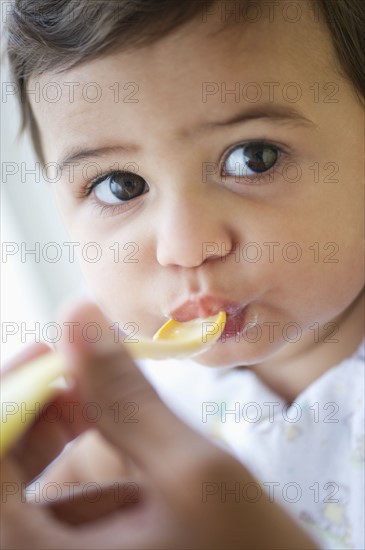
(26, 390)
(23, 392)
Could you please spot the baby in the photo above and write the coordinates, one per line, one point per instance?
(213, 152)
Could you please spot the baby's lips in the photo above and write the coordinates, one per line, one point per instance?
(204, 306)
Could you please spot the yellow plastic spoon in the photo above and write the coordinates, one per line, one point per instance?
(25, 390)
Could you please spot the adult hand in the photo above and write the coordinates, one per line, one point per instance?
(170, 508)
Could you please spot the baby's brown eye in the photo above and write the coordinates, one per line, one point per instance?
(119, 187)
(127, 186)
(252, 159)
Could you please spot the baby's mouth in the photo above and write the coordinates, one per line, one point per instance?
(205, 306)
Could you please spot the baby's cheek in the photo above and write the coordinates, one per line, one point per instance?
(329, 282)
(115, 284)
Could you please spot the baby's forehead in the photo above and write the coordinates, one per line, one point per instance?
(200, 52)
(194, 75)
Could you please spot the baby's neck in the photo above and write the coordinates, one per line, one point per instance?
(294, 368)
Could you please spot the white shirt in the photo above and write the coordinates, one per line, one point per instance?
(309, 456)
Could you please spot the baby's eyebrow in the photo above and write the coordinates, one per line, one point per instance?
(282, 114)
(75, 154)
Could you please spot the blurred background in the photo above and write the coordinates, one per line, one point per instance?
(35, 278)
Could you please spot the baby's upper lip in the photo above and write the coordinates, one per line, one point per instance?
(204, 306)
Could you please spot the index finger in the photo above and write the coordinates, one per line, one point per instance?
(108, 378)
(25, 355)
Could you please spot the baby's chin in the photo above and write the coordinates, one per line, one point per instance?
(231, 354)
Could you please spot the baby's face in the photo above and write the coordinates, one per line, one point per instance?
(265, 212)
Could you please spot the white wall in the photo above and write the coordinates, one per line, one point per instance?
(32, 287)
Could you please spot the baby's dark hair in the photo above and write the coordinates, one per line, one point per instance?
(56, 35)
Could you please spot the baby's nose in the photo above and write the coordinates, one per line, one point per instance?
(192, 229)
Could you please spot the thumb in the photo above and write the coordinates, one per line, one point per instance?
(117, 398)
